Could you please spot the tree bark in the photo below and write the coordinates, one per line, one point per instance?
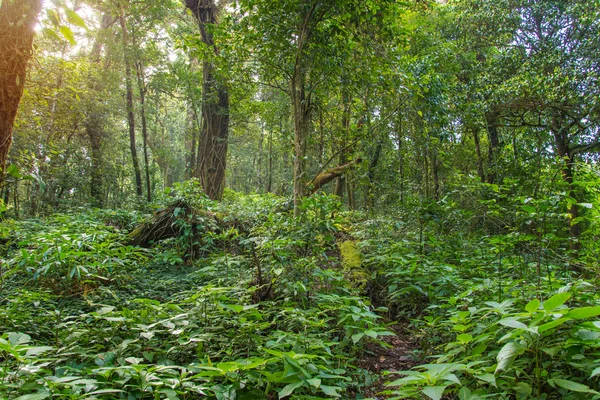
(17, 23)
(491, 120)
(130, 113)
(567, 156)
(212, 151)
(301, 110)
(270, 171)
(142, 89)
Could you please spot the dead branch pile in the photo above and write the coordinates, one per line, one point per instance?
(174, 221)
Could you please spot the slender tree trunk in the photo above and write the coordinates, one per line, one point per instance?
(340, 184)
(130, 113)
(480, 170)
(212, 151)
(564, 151)
(371, 172)
(191, 123)
(142, 90)
(93, 129)
(399, 142)
(17, 22)
(491, 119)
(270, 172)
(259, 161)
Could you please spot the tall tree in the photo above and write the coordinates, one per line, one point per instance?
(214, 135)
(130, 110)
(17, 22)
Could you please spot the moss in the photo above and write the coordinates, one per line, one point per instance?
(351, 258)
(352, 264)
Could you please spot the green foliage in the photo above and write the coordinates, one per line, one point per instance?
(142, 324)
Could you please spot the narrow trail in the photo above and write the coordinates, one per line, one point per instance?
(397, 357)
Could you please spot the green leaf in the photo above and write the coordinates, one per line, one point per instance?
(552, 324)
(512, 323)
(53, 16)
(508, 354)
(573, 386)
(583, 312)
(595, 372)
(528, 209)
(34, 396)
(489, 378)
(316, 382)
(556, 301)
(331, 390)
(289, 389)
(75, 19)
(464, 338)
(532, 306)
(434, 392)
(585, 205)
(68, 34)
(357, 336)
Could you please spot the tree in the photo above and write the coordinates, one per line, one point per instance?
(302, 46)
(214, 135)
(17, 22)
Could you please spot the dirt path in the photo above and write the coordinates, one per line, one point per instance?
(399, 357)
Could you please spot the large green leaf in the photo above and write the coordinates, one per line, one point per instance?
(508, 354)
(434, 392)
(583, 312)
(556, 301)
(573, 386)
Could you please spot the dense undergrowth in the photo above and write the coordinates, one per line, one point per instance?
(276, 307)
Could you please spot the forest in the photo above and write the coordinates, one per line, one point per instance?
(299, 199)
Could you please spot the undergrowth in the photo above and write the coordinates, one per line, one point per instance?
(273, 306)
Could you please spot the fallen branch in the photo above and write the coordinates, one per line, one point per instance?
(330, 174)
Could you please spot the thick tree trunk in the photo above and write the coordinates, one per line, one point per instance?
(17, 22)
(301, 132)
(130, 113)
(212, 151)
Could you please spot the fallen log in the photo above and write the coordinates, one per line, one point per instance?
(330, 174)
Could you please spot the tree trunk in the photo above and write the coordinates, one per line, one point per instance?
(480, 170)
(142, 89)
(130, 113)
(17, 22)
(259, 161)
(212, 151)
(491, 120)
(270, 172)
(95, 134)
(301, 131)
(564, 151)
